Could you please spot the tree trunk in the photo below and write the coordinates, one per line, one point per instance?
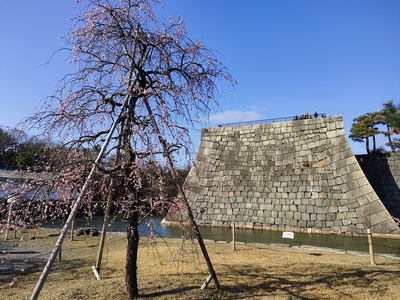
(367, 145)
(373, 143)
(131, 221)
(389, 135)
(132, 254)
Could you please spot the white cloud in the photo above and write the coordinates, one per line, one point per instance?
(231, 116)
(258, 108)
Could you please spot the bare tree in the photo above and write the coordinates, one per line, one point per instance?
(148, 79)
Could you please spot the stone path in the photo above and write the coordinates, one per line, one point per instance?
(17, 257)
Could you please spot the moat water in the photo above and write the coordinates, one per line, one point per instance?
(382, 245)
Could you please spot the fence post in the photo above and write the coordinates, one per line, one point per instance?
(233, 237)
(371, 247)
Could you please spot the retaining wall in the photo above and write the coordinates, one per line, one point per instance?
(383, 173)
(300, 176)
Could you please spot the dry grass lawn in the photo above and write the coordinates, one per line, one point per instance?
(169, 271)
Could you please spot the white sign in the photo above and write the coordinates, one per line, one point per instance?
(288, 235)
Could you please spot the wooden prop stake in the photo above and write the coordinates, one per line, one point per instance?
(192, 220)
(96, 273)
(206, 282)
(107, 213)
(72, 229)
(75, 207)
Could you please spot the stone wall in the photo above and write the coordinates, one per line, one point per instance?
(383, 172)
(16, 175)
(300, 176)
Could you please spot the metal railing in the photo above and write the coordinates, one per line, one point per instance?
(275, 120)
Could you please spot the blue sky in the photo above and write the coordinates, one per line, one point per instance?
(288, 57)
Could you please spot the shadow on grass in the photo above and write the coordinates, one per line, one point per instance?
(266, 282)
(22, 263)
(18, 262)
(170, 292)
(253, 282)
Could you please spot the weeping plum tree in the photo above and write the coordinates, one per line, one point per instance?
(146, 77)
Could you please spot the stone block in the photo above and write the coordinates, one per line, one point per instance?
(331, 216)
(374, 219)
(289, 215)
(340, 216)
(302, 223)
(332, 209)
(269, 206)
(310, 224)
(329, 224)
(266, 213)
(302, 208)
(321, 210)
(347, 222)
(305, 216)
(351, 215)
(297, 215)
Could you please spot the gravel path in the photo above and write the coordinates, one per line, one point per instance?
(17, 256)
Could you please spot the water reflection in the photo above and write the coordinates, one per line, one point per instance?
(381, 245)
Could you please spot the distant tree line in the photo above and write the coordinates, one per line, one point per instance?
(19, 150)
(386, 122)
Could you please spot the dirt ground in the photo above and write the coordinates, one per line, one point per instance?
(175, 269)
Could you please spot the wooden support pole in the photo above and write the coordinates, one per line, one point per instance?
(59, 253)
(192, 220)
(11, 202)
(72, 229)
(371, 247)
(107, 213)
(74, 210)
